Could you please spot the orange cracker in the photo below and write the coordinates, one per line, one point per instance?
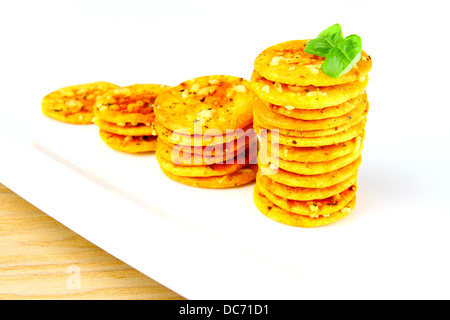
(74, 104)
(274, 212)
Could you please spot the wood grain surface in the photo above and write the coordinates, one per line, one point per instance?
(40, 259)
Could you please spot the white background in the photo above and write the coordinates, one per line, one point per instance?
(395, 245)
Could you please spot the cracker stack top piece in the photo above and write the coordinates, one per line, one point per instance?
(216, 102)
(287, 63)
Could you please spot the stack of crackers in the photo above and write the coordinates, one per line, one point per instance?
(311, 128)
(205, 133)
(126, 119)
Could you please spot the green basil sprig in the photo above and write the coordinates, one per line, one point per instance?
(340, 54)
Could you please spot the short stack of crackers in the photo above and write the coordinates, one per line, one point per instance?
(126, 119)
(205, 132)
(311, 128)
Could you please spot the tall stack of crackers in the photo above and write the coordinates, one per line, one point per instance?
(205, 133)
(312, 129)
(126, 119)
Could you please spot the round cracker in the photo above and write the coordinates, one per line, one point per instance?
(269, 119)
(182, 157)
(125, 118)
(211, 170)
(313, 168)
(308, 97)
(129, 144)
(319, 114)
(224, 150)
(316, 133)
(305, 194)
(310, 181)
(132, 104)
(274, 212)
(287, 63)
(238, 178)
(81, 118)
(311, 154)
(74, 104)
(218, 102)
(347, 135)
(314, 208)
(125, 129)
(238, 137)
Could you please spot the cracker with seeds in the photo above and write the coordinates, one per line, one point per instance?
(75, 104)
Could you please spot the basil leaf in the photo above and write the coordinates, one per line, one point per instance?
(340, 54)
(325, 41)
(351, 46)
(319, 47)
(333, 34)
(342, 58)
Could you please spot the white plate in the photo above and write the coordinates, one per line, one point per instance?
(214, 244)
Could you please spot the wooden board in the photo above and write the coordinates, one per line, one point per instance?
(42, 259)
